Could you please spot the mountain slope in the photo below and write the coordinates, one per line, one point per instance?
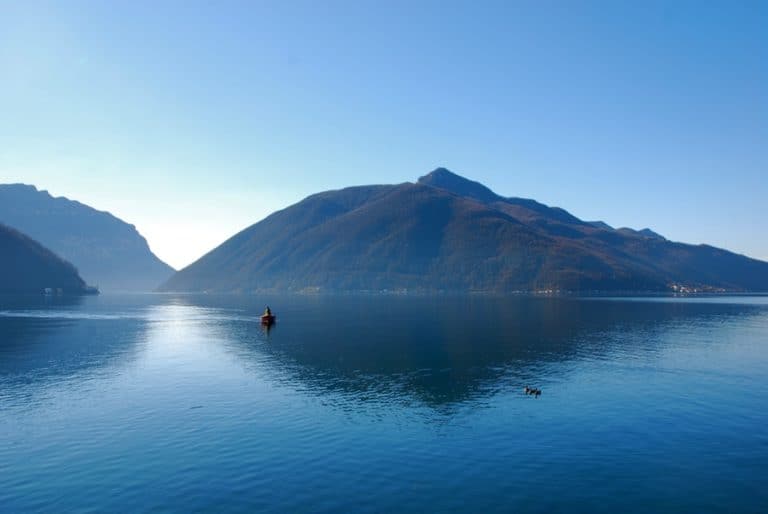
(106, 250)
(26, 266)
(448, 233)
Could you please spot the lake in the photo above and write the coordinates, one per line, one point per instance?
(163, 403)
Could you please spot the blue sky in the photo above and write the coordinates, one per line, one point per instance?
(193, 120)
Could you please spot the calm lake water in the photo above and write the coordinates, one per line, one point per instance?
(383, 404)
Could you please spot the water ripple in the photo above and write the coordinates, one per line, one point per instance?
(186, 404)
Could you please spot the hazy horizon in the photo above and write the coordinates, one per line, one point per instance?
(193, 121)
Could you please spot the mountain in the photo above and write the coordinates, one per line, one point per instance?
(26, 266)
(645, 232)
(600, 224)
(107, 251)
(447, 233)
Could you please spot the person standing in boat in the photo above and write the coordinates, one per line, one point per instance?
(267, 311)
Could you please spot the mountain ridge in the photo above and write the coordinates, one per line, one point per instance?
(447, 233)
(107, 251)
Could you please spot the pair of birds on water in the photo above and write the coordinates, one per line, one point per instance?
(533, 391)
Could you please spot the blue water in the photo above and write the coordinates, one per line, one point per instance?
(162, 403)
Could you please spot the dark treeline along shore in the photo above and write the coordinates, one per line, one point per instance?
(447, 233)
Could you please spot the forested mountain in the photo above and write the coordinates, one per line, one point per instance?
(447, 233)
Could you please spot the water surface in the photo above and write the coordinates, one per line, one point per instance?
(162, 403)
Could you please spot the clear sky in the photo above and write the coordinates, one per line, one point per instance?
(193, 120)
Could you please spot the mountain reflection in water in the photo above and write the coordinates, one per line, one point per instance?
(435, 350)
(383, 403)
(446, 350)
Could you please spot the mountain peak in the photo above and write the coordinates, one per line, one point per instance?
(440, 172)
(443, 178)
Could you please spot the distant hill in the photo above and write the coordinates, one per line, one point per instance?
(106, 250)
(26, 266)
(447, 233)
